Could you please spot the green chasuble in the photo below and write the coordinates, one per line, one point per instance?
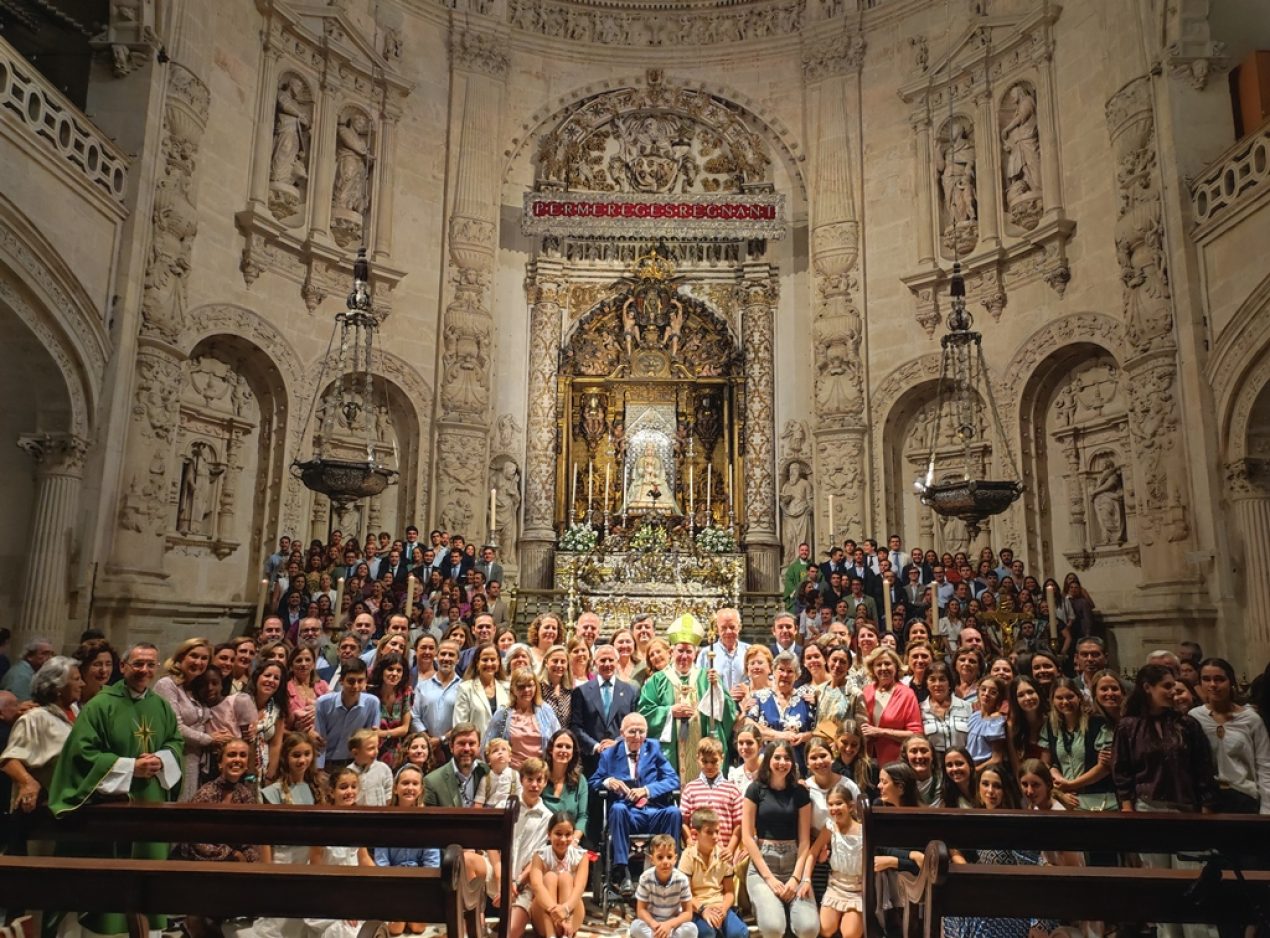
(794, 575)
(679, 738)
(111, 726)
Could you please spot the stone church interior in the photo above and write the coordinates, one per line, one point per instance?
(643, 295)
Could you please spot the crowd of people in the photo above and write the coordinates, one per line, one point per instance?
(388, 673)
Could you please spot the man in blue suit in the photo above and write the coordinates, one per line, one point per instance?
(638, 782)
(599, 706)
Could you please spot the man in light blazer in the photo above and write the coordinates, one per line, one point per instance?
(638, 782)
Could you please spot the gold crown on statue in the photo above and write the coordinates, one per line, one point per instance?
(687, 628)
(652, 266)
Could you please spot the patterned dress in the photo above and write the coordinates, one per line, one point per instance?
(391, 717)
(798, 716)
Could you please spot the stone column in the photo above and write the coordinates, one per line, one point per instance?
(322, 166)
(988, 170)
(840, 430)
(265, 107)
(762, 546)
(1150, 365)
(383, 185)
(922, 166)
(59, 470)
(479, 63)
(545, 288)
(146, 507)
(1046, 121)
(1250, 501)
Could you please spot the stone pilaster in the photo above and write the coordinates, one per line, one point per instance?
(545, 289)
(1151, 365)
(480, 66)
(1246, 485)
(762, 546)
(838, 327)
(59, 471)
(145, 510)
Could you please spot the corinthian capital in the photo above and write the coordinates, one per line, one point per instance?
(478, 52)
(55, 452)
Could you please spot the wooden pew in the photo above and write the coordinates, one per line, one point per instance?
(472, 828)
(1126, 891)
(226, 890)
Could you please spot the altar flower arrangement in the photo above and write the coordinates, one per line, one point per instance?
(650, 537)
(578, 538)
(714, 540)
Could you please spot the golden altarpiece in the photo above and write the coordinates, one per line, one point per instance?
(650, 409)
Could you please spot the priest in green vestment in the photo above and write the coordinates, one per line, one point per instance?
(682, 703)
(125, 744)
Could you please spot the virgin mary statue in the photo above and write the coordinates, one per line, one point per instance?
(649, 486)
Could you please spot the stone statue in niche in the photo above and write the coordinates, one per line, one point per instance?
(955, 163)
(195, 505)
(1107, 497)
(796, 500)
(288, 167)
(350, 199)
(505, 481)
(1023, 157)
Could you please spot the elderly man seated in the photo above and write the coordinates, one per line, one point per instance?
(638, 782)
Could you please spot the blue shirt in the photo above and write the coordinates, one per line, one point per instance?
(336, 722)
(433, 711)
(408, 856)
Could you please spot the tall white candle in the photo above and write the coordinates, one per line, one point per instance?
(608, 475)
(410, 595)
(574, 500)
(339, 600)
(709, 478)
(831, 522)
(692, 505)
(1051, 604)
(493, 511)
(590, 485)
(260, 603)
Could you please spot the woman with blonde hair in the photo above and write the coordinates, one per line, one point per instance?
(891, 711)
(188, 662)
(543, 634)
(579, 660)
(484, 689)
(557, 683)
(526, 723)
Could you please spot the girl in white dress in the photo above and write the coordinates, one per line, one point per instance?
(344, 785)
(557, 879)
(843, 906)
(299, 782)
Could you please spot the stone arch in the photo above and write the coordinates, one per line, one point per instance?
(549, 115)
(1240, 370)
(1061, 442)
(1093, 328)
(410, 399)
(45, 294)
(231, 319)
(882, 401)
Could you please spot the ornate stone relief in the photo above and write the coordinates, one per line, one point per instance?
(653, 138)
(130, 37)
(175, 215)
(479, 52)
(995, 204)
(1148, 315)
(833, 55)
(644, 28)
(1190, 52)
(321, 173)
(797, 495)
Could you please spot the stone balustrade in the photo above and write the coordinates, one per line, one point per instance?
(31, 105)
(1232, 183)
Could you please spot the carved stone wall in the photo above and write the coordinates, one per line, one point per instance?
(762, 546)
(1151, 362)
(544, 288)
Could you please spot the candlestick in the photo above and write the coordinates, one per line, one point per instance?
(886, 601)
(260, 603)
(1052, 605)
(573, 501)
(692, 506)
(608, 475)
(410, 595)
(493, 512)
(831, 535)
(590, 487)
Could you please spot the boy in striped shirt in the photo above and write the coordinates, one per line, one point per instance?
(663, 899)
(711, 790)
